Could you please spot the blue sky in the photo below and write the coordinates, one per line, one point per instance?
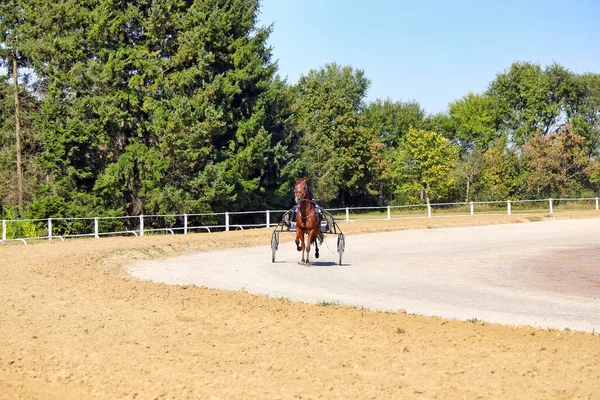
(433, 52)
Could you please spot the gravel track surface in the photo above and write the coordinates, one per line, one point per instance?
(544, 274)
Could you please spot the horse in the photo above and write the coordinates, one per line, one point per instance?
(308, 220)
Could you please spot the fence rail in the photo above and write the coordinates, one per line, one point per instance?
(22, 230)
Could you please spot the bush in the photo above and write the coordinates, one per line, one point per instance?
(21, 229)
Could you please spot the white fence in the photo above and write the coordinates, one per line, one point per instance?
(60, 228)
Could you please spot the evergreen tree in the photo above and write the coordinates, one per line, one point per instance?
(11, 18)
(158, 106)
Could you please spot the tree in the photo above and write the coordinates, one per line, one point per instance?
(11, 193)
(587, 119)
(469, 169)
(393, 119)
(341, 156)
(554, 162)
(192, 82)
(474, 121)
(19, 140)
(424, 165)
(531, 98)
(7, 148)
(501, 175)
(11, 14)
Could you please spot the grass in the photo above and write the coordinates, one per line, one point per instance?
(328, 303)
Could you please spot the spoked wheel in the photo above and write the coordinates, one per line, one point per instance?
(274, 244)
(341, 245)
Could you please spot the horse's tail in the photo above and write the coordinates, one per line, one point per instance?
(320, 237)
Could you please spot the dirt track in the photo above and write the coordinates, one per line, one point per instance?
(544, 274)
(74, 325)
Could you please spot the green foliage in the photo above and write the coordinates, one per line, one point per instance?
(501, 177)
(340, 154)
(135, 180)
(20, 229)
(392, 120)
(30, 144)
(474, 120)
(468, 171)
(175, 106)
(325, 303)
(586, 121)
(530, 98)
(424, 165)
(140, 98)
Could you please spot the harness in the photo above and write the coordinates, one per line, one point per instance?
(317, 208)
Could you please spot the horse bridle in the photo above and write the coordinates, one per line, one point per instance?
(302, 199)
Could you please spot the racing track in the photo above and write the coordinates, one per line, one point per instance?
(544, 274)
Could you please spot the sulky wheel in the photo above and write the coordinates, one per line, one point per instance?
(341, 246)
(274, 244)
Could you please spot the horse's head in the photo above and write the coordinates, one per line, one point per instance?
(301, 190)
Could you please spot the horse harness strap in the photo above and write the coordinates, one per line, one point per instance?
(304, 218)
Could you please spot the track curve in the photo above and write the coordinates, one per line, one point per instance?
(544, 274)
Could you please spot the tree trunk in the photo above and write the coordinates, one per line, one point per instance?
(18, 136)
(468, 190)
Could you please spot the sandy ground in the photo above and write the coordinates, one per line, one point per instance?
(73, 324)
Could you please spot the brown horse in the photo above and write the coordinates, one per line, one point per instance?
(307, 219)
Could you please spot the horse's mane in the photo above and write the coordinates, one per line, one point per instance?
(309, 190)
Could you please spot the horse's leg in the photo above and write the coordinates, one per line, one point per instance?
(318, 235)
(308, 237)
(300, 242)
(304, 248)
(299, 236)
(312, 238)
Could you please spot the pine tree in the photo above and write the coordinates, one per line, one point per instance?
(158, 106)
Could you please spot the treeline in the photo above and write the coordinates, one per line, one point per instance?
(153, 107)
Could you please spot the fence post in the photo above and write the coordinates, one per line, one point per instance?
(227, 221)
(4, 229)
(96, 228)
(508, 208)
(49, 228)
(268, 219)
(551, 209)
(389, 213)
(472, 210)
(428, 210)
(141, 225)
(185, 224)
(347, 215)
(596, 203)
